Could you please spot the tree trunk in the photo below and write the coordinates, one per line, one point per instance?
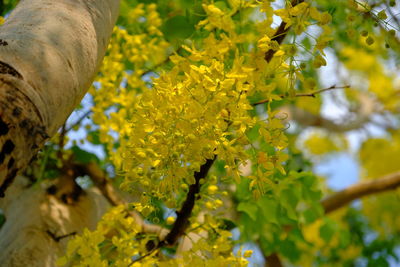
(38, 225)
(50, 51)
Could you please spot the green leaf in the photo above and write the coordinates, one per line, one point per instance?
(124, 8)
(250, 208)
(228, 224)
(222, 5)
(83, 156)
(242, 191)
(178, 27)
(327, 230)
(94, 137)
(344, 238)
(289, 249)
(311, 215)
(187, 3)
(253, 134)
(220, 167)
(289, 202)
(381, 262)
(269, 209)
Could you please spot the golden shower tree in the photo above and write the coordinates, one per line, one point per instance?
(208, 118)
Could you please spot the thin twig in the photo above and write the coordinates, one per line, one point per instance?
(143, 256)
(78, 121)
(311, 94)
(393, 16)
(61, 143)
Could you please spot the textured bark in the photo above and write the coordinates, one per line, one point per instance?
(36, 223)
(50, 51)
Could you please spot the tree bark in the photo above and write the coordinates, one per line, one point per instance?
(38, 225)
(50, 51)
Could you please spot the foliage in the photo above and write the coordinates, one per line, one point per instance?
(6, 6)
(190, 83)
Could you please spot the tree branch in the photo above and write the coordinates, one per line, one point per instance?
(101, 181)
(280, 34)
(273, 260)
(344, 197)
(182, 221)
